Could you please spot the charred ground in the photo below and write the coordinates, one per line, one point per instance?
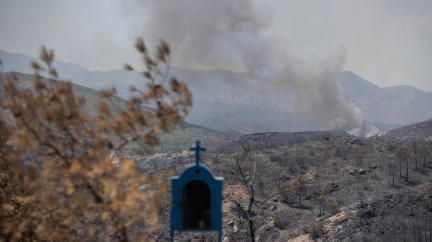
(353, 189)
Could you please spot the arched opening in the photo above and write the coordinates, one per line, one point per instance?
(196, 206)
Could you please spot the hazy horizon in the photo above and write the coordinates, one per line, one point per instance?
(387, 43)
(286, 46)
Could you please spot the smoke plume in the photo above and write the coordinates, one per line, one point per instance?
(237, 36)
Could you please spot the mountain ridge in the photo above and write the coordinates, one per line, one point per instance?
(415, 132)
(222, 101)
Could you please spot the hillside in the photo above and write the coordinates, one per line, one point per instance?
(354, 189)
(271, 140)
(222, 99)
(172, 142)
(416, 132)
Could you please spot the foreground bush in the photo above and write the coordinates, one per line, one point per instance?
(62, 175)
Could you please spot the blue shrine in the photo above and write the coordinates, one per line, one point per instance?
(197, 199)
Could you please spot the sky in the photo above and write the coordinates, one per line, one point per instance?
(387, 42)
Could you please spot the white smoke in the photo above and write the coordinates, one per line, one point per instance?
(235, 35)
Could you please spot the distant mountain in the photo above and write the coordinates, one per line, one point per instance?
(222, 102)
(416, 132)
(386, 108)
(77, 74)
(217, 102)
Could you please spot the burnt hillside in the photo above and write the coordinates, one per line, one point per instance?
(264, 141)
(351, 189)
(415, 132)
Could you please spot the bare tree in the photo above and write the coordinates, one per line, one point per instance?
(300, 188)
(321, 205)
(248, 181)
(425, 150)
(403, 157)
(415, 153)
(392, 168)
(406, 169)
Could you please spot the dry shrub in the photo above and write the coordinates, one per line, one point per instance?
(62, 175)
(282, 220)
(332, 205)
(296, 189)
(315, 229)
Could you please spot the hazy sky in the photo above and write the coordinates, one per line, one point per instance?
(387, 42)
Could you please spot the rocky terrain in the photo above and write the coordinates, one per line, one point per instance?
(316, 186)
